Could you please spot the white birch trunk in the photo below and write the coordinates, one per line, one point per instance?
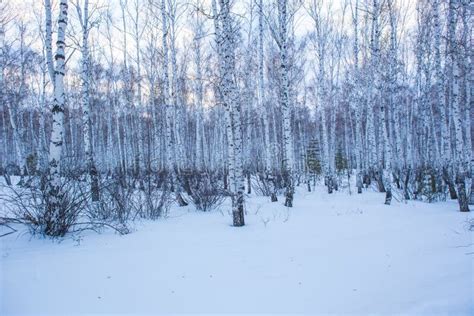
(227, 110)
(86, 110)
(263, 106)
(175, 112)
(440, 95)
(460, 165)
(229, 93)
(199, 93)
(284, 99)
(56, 143)
(166, 91)
(467, 21)
(355, 100)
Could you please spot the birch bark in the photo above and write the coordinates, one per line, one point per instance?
(228, 89)
(284, 100)
(86, 109)
(54, 210)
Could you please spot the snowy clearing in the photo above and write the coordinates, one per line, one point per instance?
(332, 254)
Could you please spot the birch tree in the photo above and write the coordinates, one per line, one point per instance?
(54, 211)
(440, 96)
(224, 30)
(83, 15)
(284, 98)
(355, 98)
(263, 105)
(169, 108)
(468, 78)
(13, 115)
(460, 165)
(178, 152)
(387, 148)
(198, 36)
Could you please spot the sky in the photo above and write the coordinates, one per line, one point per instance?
(32, 11)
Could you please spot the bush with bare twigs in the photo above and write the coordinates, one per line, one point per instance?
(28, 205)
(206, 192)
(120, 203)
(153, 198)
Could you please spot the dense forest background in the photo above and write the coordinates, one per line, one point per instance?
(173, 101)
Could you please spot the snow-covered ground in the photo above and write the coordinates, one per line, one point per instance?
(335, 254)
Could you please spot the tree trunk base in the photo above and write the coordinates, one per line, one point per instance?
(289, 198)
(380, 185)
(359, 183)
(249, 184)
(462, 195)
(238, 209)
(388, 197)
(95, 195)
(238, 219)
(471, 195)
(330, 185)
(451, 187)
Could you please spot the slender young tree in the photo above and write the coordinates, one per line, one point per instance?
(387, 147)
(284, 99)
(93, 179)
(169, 108)
(356, 100)
(439, 77)
(198, 36)
(263, 105)
(178, 118)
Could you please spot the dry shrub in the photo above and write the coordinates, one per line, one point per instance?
(29, 205)
(206, 192)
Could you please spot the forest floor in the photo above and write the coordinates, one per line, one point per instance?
(334, 254)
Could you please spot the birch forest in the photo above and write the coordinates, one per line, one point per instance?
(173, 102)
(262, 157)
